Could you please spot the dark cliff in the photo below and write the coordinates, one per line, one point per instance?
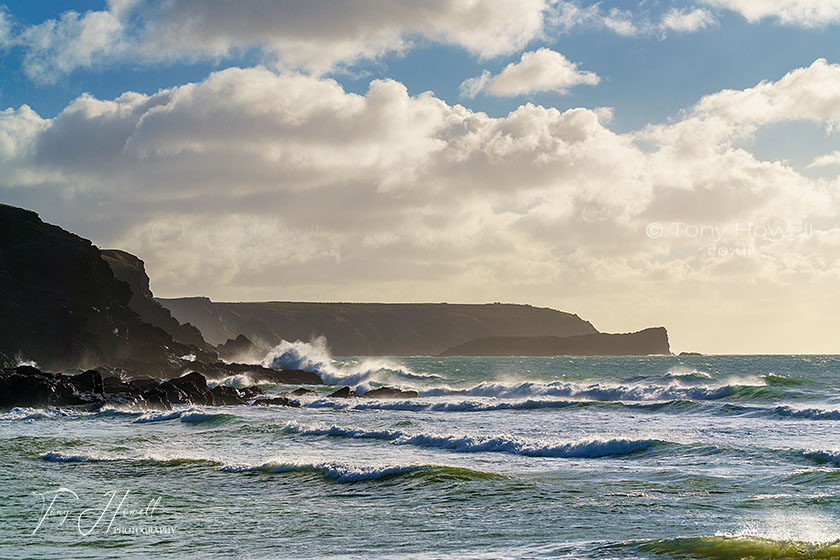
(642, 343)
(62, 306)
(132, 271)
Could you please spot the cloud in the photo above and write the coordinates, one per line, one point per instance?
(687, 21)
(258, 184)
(567, 15)
(802, 13)
(537, 71)
(825, 160)
(315, 36)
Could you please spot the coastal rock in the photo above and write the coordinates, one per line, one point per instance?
(29, 386)
(390, 393)
(240, 349)
(190, 389)
(62, 306)
(303, 391)
(343, 393)
(114, 385)
(277, 401)
(132, 270)
(89, 381)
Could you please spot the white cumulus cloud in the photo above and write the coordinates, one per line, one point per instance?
(825, 160)
(687, 21)
(315, 36)
(804, 13)
(537, 71)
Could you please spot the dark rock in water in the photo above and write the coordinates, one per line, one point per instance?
(191, 389)
(250, 392)
(220, 370)
(682, 354)
(343, 393)
(302, 391)
(241, 349)
(390, 393)
(29, 386)
(88, 382)
(224, 395)
(277, 401)
(380, 393)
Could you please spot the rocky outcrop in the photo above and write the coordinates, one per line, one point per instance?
(343, 393)
(62, 306)
(642, 343)
(277, 401)
(380, 393)
(29, 386)
(372, 328)
(390, 393)
(131, 270)
(241, 349)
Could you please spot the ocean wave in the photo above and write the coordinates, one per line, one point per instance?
(189, 416)
(340, 472)
(740, 547)
(474, 405)
(488, 444)
(606, 391)
(364, 375)
(156, 460)
(56, 457)
(822, 457)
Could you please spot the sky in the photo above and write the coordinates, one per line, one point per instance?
(638, 163)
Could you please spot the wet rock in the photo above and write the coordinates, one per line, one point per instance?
(277, 401)
(302, 391)
(390, 393)
(89, 381)
(29, 386)
(343, 393)
(144, 382)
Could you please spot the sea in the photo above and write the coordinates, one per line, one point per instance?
(718, 457)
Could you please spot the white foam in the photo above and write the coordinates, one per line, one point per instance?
(362, 375)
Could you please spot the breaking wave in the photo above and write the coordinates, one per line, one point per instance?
(364, 375)
(608, 391)
(487, 444)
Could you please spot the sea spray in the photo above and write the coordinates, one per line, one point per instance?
(315, 357)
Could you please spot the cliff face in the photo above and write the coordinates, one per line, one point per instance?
(131, 270)
(372, 328)
(62, 306)
(642, 343)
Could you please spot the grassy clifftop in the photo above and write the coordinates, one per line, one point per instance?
(373, 328)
